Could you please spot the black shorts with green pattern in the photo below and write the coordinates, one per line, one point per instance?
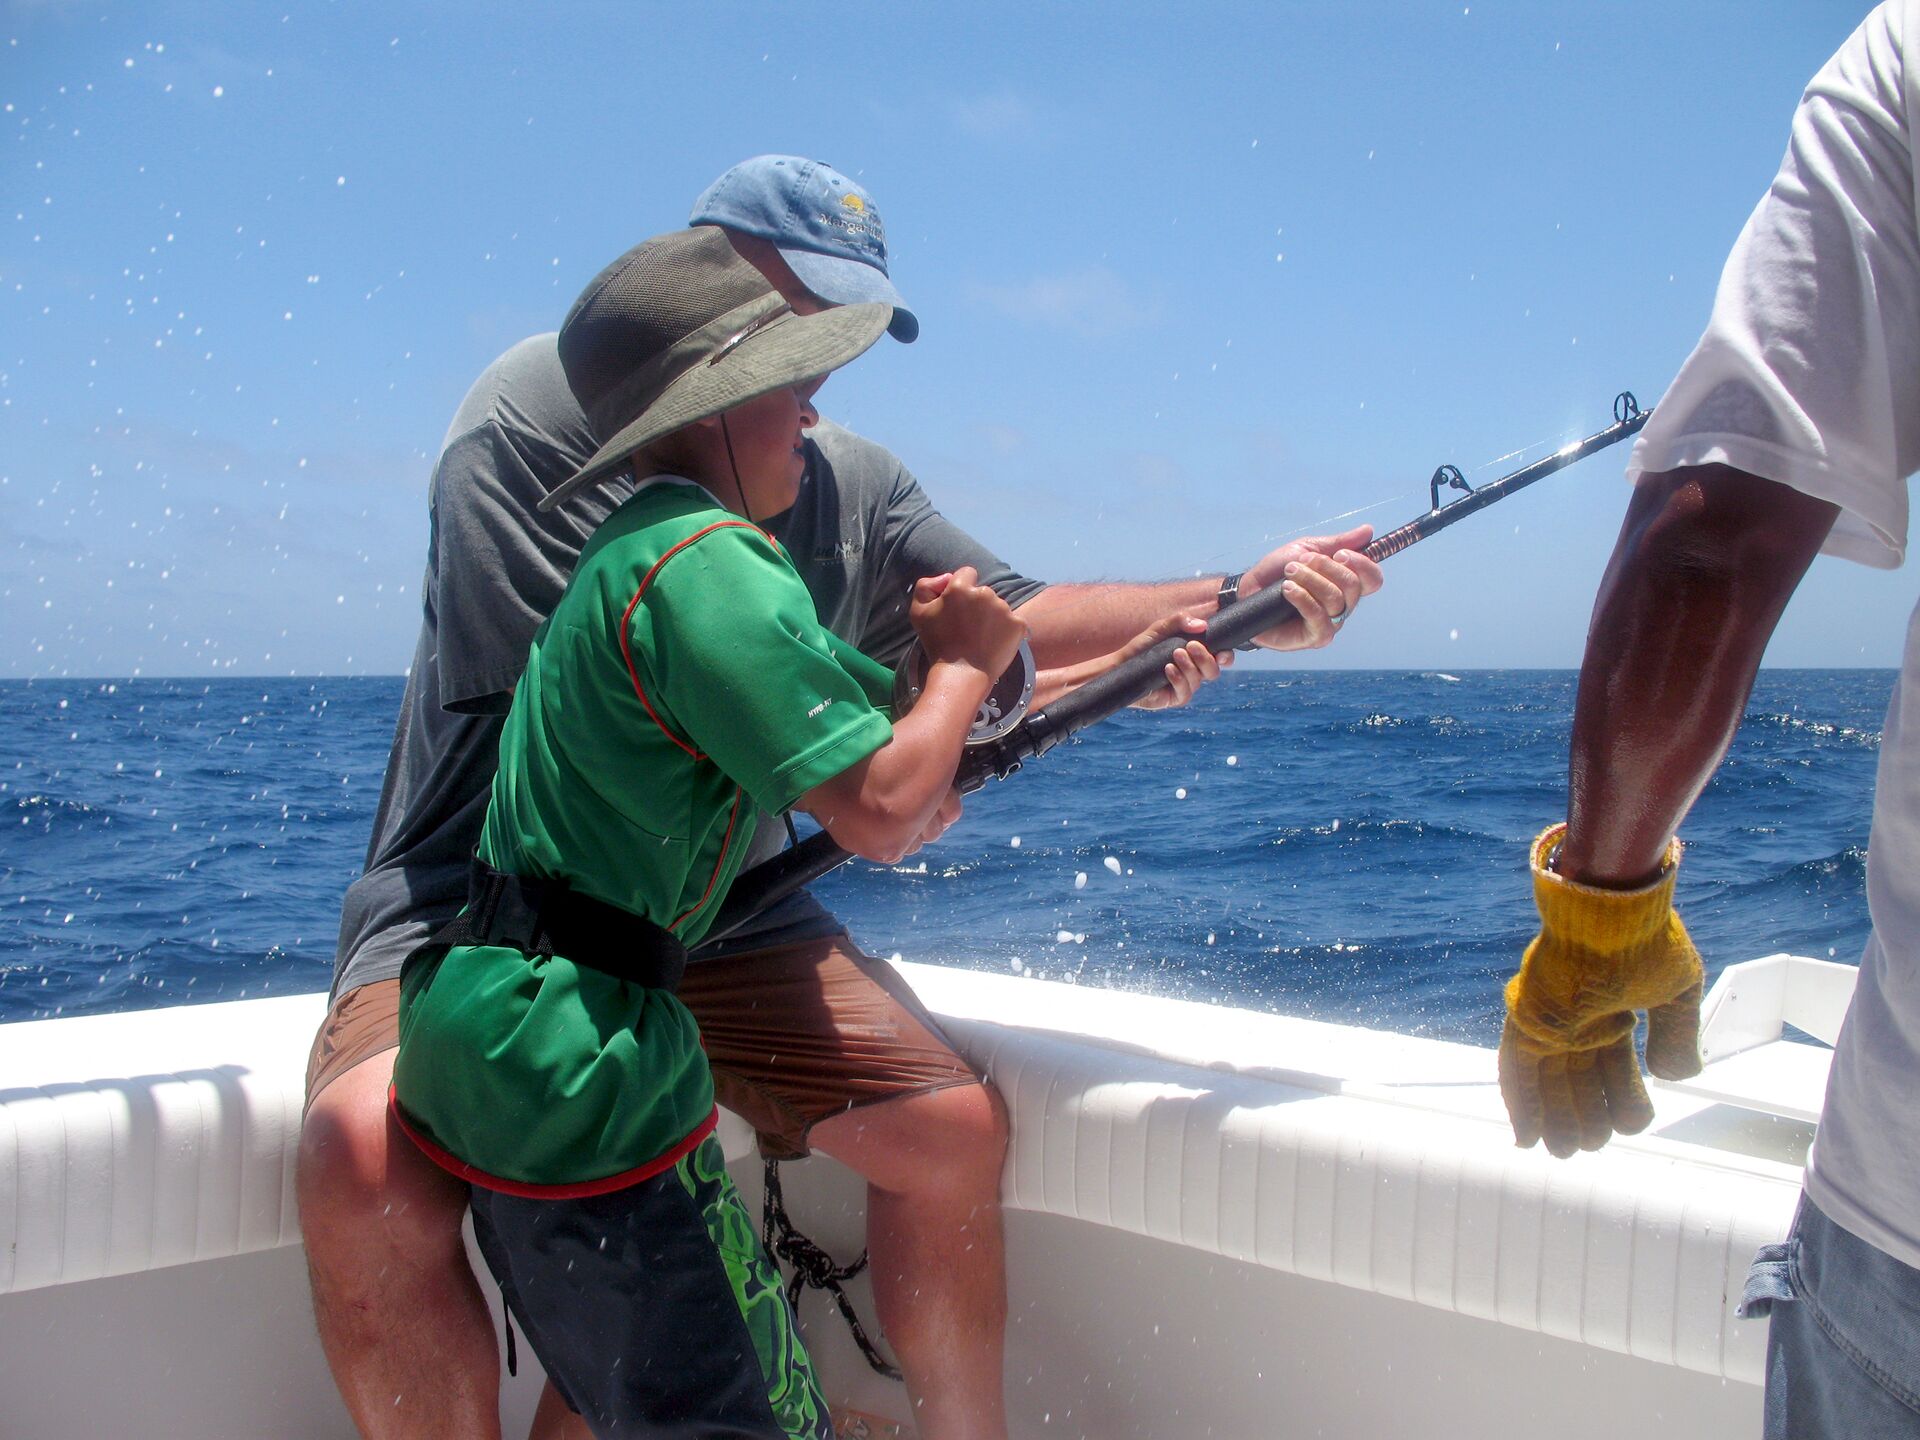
(653, 1308)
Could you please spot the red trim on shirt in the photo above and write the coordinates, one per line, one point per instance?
(580, 1190)
(626, 648)
(713, 879)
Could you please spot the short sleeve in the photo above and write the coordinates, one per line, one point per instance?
(916, 540)
(1809, 371)
(498, 567)
(739, 664)
(874, 679)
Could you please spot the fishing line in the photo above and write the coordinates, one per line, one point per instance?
(1314, 527)
(1552, 443)
(1040, 731)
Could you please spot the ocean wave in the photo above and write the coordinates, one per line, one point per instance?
(922, 869)
(72, 972)
(224, 875)
(1819, 729)
(1407, 829)
(44, 813)
(1845, 868)
(1382, 721)
(51, 805)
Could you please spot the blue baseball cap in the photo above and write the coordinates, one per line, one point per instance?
(824, 225)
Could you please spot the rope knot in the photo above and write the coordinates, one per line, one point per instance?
(814, 1267)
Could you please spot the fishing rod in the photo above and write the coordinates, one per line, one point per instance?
(1005, 737)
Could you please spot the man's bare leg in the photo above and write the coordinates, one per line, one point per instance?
(554, 1421)
(932, 1165)
(401, 1318)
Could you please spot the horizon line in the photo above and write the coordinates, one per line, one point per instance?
(1228, 675)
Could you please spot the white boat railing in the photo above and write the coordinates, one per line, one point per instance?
(1751, 1059)
(1250, 1144)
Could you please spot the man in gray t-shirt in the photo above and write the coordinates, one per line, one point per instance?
(862, 532)
(789, 1010)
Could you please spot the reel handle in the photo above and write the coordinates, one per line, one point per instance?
(1006, 704)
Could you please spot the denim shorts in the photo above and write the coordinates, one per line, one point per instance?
(1843, 1347)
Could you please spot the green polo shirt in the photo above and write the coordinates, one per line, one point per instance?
(682, 689)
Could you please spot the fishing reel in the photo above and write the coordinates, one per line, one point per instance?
(1006, 704)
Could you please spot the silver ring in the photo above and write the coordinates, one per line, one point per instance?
(1338, 620)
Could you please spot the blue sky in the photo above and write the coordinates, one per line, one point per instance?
(1192, 280)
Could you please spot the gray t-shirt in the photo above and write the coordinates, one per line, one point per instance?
(861, 532)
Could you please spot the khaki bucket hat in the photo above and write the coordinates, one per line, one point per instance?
(680, 328)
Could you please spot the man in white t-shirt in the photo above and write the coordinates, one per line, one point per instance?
(1791, 429)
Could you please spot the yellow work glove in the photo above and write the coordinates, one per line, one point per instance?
(1567, 1067)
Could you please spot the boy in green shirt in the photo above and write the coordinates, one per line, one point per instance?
(682, 690)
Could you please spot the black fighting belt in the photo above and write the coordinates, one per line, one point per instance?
(545, 918)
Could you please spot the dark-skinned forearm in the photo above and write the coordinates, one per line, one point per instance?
(1706, 561)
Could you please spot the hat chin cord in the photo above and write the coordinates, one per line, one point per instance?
(739, 487)
(793, 836)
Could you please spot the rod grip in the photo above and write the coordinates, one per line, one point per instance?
(1144, 673)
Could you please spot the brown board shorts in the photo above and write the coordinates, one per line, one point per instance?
(795, 1035)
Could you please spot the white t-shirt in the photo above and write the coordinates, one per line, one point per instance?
(1809, 374)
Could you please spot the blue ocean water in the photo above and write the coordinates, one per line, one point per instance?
(1345, 845)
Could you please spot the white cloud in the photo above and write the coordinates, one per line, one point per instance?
(994, 117)
(1095, 303)
(1003, 439)
(1154, 470)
